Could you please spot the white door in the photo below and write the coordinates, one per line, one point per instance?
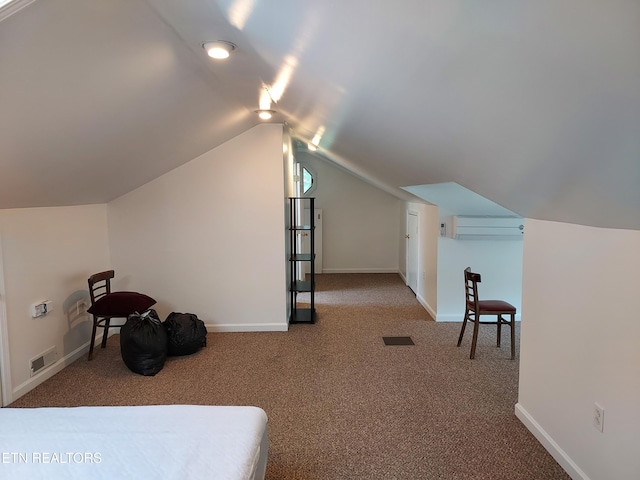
(412, 250)
(317, 239)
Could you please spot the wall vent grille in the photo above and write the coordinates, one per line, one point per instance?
(43, 360)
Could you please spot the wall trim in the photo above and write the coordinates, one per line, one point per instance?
(247, 327)
(404, 279)
(441, 317)
(549, 444)
(426, 306)
(359, 270)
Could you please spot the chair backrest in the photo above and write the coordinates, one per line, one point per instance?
(100, 285)
(471, 281)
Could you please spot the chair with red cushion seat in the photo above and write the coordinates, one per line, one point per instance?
(106, 305)
(475, 308)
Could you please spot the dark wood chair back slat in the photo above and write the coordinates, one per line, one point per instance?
(100, 284)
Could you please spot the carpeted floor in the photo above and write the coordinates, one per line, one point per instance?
(341, 404)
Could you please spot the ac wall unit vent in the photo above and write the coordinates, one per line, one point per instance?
(43, 360)
(465, 227)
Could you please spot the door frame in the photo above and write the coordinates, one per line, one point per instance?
(5, 373)
(304, 218)
(416, 261)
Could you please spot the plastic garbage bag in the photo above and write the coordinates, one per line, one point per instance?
(143, 343)
(186, 333)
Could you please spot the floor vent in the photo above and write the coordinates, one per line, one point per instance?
(398, 341)
(43, 360)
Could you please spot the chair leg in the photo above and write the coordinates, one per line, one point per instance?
(464, 324)
(476, 326)
(500, 320)
(106, 332)
(513, 336)
(93, 338)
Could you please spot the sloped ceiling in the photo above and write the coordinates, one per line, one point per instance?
(534, 105)
(454, 199)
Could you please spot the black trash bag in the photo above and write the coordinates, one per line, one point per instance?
(186, 333)
(143, 343)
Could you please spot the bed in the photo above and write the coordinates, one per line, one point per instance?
(155, 442)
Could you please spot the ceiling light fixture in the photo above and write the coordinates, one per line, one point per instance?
(315, 142)
(9, 7)
(220, 49)
(265, 114)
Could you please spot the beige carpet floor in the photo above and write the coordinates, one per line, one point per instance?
(341, 404)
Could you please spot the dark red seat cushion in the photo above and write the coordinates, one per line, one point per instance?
(121, 304)
(495, 306)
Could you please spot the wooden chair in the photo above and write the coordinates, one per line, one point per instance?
(106, 305)
(475, 308)
(100, 286)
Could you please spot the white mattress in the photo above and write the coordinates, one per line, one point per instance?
(151, 442)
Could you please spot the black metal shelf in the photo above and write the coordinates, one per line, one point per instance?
(302, 286)
(303, 315)
(302, 257)
(298, 258)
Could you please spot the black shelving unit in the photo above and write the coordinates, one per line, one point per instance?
(296, 209)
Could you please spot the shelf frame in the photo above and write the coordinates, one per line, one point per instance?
(301, 314)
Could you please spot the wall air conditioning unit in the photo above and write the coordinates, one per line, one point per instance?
(465, 227)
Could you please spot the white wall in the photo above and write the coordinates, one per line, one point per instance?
(427, 293)
(208, 237)
(290, 191)
(48, 253)
(580, 345)
(360, 222)
(498, 261)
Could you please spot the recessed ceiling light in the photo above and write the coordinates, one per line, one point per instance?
(265, 114)
(220, 49)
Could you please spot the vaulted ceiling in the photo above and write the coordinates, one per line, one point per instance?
(535, 105)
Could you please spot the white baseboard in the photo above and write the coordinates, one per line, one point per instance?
(359, 270)
(247, 327)
(404, 279)
(50, 371)
(550, 445)
(426, 306)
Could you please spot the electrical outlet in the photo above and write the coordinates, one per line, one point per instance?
(40, 309)
(598, 417)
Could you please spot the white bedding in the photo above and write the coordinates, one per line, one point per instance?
(148, 442)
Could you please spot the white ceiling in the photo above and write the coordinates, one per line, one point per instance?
(534, 105)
